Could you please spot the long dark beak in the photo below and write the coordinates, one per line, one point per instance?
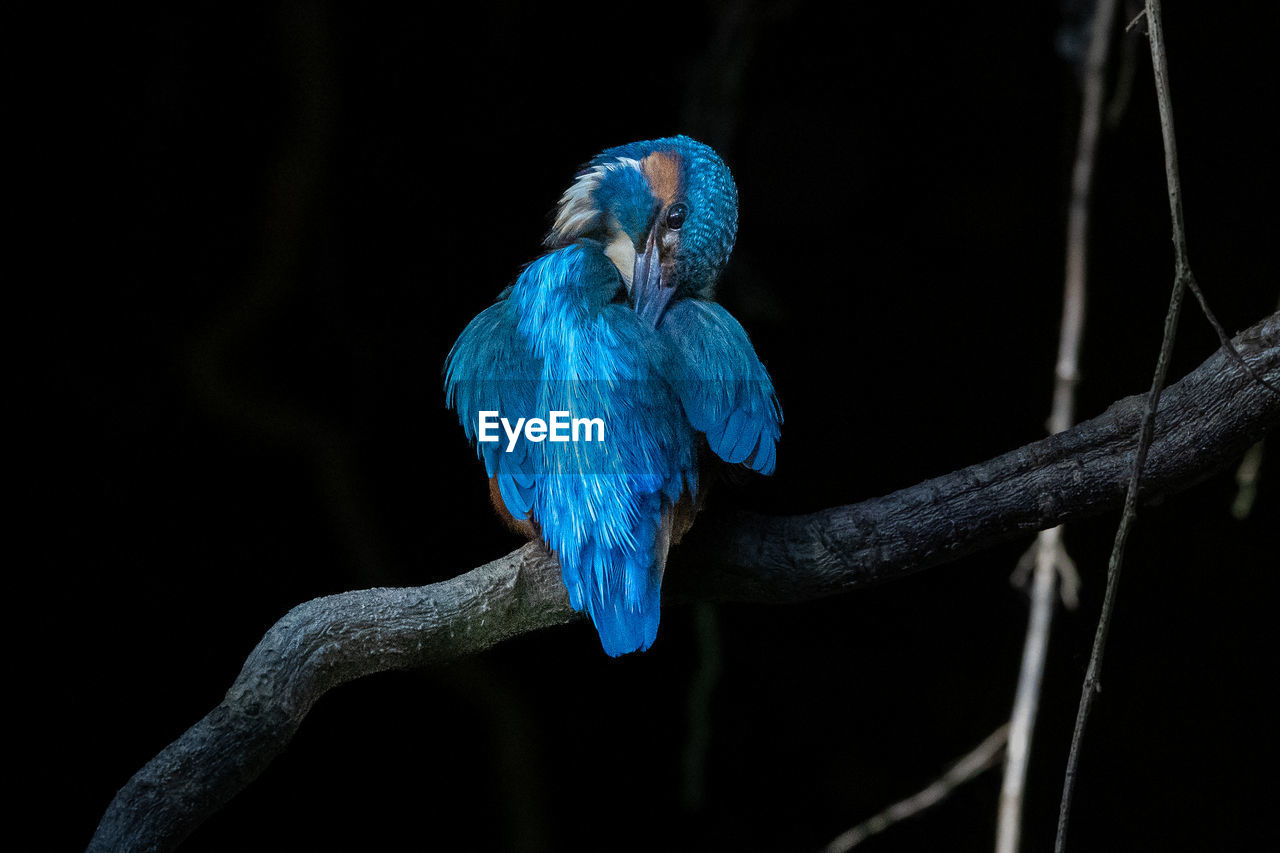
(651, 287)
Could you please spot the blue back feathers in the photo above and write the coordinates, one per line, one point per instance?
(565, 338)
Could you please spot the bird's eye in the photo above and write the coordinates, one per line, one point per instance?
(675, 216)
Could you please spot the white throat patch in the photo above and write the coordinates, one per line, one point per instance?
(623, 254)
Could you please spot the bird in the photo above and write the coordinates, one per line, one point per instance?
(616, 326)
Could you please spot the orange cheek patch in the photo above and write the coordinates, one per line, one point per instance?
(662, 170)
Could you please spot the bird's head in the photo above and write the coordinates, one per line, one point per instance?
(666, 211)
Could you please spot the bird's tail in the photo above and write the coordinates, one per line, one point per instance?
(621, 586)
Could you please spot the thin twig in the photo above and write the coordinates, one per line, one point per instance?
(1093, 676)
(1047, 553)
(1223, 338)
(1175, 192)
(1122, 90)
(984, 756)
(1051, 558)
(1247, 482)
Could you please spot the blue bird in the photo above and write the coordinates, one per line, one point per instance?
(597, 380)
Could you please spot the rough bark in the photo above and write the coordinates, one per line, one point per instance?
(1205, 422)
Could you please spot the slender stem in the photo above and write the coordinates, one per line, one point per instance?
(980, 758)
(1022, 719)
(1071, 331)
(1093, 676)
(1050, 555)
(1247, 483)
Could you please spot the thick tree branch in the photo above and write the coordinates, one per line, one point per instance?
(1205, 422)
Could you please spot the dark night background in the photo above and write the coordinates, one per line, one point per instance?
(274, 225)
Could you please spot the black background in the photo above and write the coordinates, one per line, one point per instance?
(272, 224)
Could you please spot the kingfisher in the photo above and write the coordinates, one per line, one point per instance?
(615, 329)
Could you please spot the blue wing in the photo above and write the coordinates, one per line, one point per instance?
(724, 389)
(492, 369)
